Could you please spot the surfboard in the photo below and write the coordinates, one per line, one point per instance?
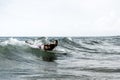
(47, 51)
(39, 46)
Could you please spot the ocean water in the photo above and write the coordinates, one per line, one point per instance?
(75, 58)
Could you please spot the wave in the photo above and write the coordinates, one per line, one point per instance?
(74, 56)
(17, 49)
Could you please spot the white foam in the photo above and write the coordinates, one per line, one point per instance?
(12, 41)
(69, 38)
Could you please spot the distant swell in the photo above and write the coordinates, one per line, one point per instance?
(106, 70)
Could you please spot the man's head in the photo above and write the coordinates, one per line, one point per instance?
(56, 42)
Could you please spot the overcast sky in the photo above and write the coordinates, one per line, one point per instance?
(59, 17)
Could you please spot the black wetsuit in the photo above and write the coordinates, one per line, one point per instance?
(49, 46)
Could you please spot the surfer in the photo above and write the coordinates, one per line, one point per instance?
(50, 46)
(47, 47)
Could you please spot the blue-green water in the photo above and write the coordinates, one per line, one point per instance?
(75, 58)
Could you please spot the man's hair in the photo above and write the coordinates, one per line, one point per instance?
(56, 41)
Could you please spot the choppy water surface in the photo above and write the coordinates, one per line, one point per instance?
(75, 58)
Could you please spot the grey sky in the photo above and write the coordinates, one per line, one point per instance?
(59, 17)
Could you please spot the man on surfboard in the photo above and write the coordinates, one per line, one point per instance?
(47, 47)
(51, 46)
